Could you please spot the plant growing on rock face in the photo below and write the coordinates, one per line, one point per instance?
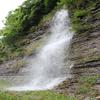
(83, 89)
(91, 80)
(86, 85)
(80, 13)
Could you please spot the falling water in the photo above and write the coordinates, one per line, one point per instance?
(49, 67)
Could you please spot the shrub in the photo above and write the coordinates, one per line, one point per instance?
(50, 4)
(80, 13)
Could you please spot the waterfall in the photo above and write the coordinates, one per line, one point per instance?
(49, 67)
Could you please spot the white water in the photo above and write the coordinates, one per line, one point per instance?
(48, 69)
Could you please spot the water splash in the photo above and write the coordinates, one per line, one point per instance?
(49, 67)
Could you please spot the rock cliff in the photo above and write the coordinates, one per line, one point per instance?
(85, 54)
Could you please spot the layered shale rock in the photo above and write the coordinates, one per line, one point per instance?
(85, 54)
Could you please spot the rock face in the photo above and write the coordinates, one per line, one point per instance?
(86, 47)
(85, 54)
(13, 66)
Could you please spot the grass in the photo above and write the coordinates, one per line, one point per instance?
(84, 89)
(37, 95)
(86, 84)
(81, 13)
(4, 83)
(91, 80)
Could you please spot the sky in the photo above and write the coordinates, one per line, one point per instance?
(6, 6)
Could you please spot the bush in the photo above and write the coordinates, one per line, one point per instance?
(29, 14)
(80, 13)
(20, 20)
(50, 4)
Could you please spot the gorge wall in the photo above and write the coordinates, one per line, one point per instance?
(85, 52)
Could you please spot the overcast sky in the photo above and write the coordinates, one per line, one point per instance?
(6, 6)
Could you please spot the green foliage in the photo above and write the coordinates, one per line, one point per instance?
(29, 14)
(80, 13)
(71, 3)
(50, 4)
(91, 80)
(84, 89)
(86, 84)
(38, 95)
(67, 1)
(20, 20)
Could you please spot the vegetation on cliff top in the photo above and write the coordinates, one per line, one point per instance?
(29, 14)
(19, 22)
